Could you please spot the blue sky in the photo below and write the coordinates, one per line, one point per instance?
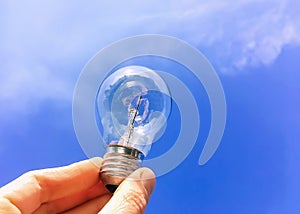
(254, 47)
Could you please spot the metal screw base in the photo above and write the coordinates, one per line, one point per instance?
(119, 162)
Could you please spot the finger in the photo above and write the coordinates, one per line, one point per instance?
(68, 202)
(32, 189)
(92, 206)
(133, 194)
(7, 207)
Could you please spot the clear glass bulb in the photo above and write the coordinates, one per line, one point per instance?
(133, 104)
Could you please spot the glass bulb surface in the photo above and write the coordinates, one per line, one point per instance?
(132, 105)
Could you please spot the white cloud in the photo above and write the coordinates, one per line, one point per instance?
(45, 44)
(22, 88)
(238, 33)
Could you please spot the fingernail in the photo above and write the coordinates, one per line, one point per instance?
(147, 177)
(97, 161)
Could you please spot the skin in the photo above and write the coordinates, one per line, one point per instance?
(76, 189)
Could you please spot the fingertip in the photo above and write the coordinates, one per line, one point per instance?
(97, 161)
(133, 193)
(147, 178)
(146, 173)
(143, 173)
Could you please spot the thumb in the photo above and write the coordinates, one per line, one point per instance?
(133, 194)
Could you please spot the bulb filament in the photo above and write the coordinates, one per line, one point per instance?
(133, 112)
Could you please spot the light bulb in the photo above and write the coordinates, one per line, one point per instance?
(132, 106)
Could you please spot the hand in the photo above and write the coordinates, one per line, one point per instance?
(76, 189)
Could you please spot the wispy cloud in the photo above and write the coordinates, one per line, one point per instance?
(23, 85)
(44, 45)
(237, 33)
